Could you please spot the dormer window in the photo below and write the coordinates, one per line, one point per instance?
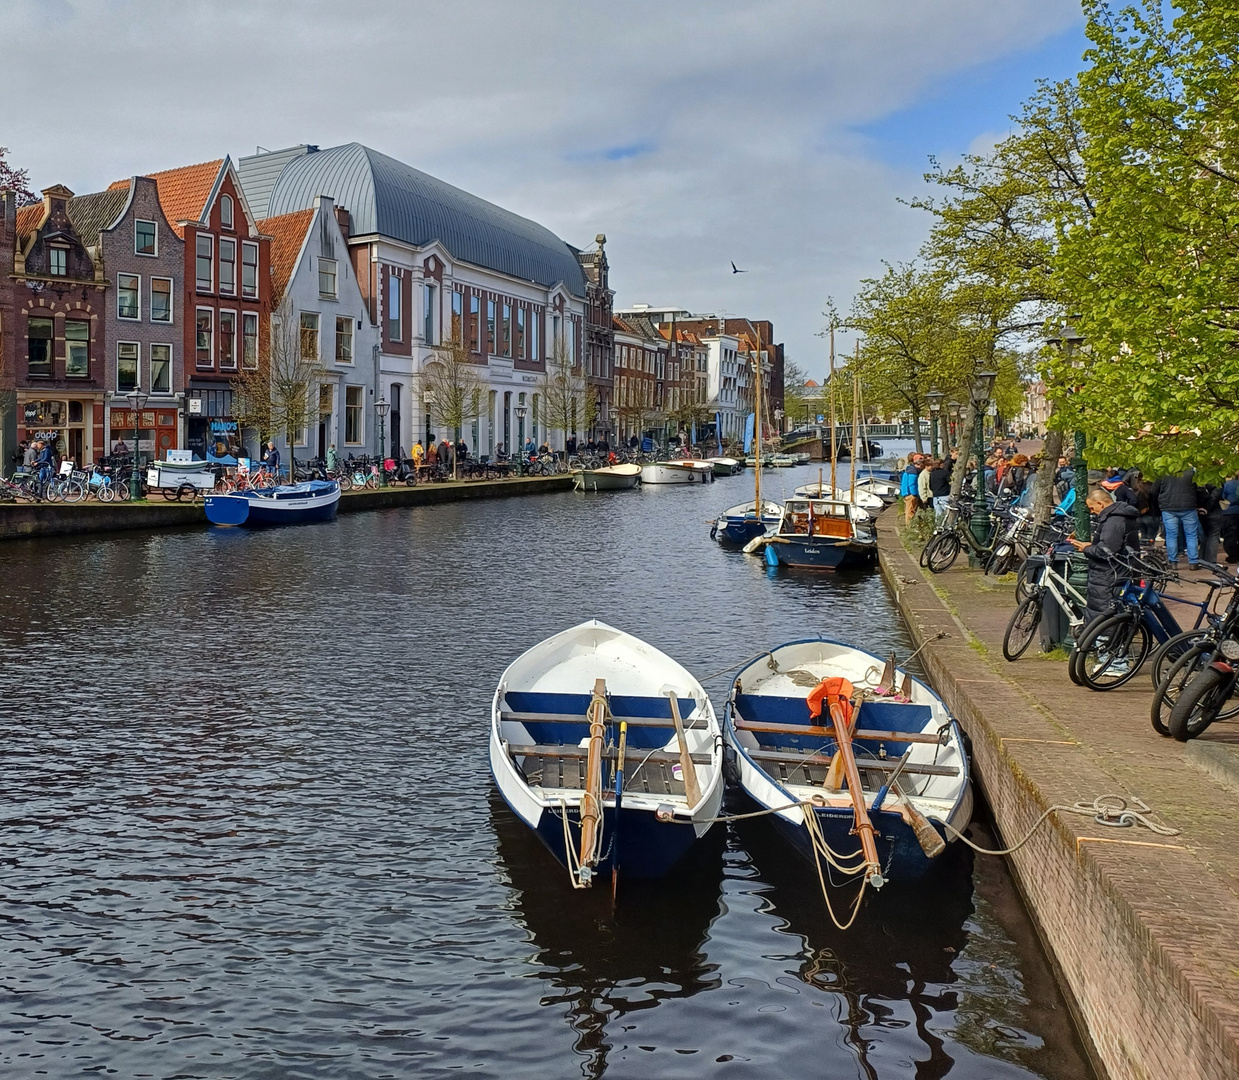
(225, 211)
(58, 261)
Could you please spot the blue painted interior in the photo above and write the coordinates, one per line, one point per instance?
(876, 715)
(659, 708)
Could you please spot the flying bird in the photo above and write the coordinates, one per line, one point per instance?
(734, 270)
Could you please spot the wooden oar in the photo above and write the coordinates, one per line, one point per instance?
(591, 797)
(691, 791)
(927, 836)
(619, 804)
(863, 826)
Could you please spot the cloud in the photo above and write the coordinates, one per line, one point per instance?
(691, 133)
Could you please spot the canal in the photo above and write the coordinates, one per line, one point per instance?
(249, 829)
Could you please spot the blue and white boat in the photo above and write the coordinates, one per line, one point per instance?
(822, 534)
(609, 750)
(285, 504)
(737, 525)
(782, 755)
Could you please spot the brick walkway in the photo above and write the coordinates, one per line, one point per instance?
(1144, 929)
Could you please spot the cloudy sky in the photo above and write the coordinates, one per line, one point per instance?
(778, 134)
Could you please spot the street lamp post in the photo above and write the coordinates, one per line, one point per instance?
(982, 388)
(934, 397)
(519, 456)
(381, 406)
(138, 400)
(952, 427)
(1068, 339)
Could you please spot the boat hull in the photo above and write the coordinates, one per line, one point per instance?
(666, 472)
(739, 531)
(726, 466)
(820, 553)
(282, 506)
(612, 478)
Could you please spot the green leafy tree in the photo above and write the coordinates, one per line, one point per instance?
(453, 389)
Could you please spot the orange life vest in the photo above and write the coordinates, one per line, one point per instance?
(835, 694)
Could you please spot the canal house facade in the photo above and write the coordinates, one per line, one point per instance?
(433, 262)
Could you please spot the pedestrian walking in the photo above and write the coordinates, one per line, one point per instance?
(333, 459)
(1176, 495)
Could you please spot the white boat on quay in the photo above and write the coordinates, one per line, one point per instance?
(608, 478)
(686, 471)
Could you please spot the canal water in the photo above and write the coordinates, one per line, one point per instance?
(249, 829)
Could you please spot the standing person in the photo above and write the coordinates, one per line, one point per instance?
(1209, 507)
(1230, 518)
(940, 486)
(1117, 485)
(908, 488)
(923, 494)
(333, 459)
(1176, 495)
(419, 454)
(446, 454)
(1115, 535)
(1147, 508)
(272, 460)
(432, 453)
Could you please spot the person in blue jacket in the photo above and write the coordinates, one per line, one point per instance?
(908, 487)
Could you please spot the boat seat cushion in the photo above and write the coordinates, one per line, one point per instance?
(874, 716)
(648, 707)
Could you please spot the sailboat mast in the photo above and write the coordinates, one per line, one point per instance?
(757, 431)
(834, 448)
(855, 418)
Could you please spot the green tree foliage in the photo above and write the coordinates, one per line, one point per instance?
(1152, 273)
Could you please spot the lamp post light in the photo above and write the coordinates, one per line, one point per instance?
(1067, 339)
(138, 400)
(934, 397)
(519, 456)
(381, 407)
(980, 391)
(953, 408)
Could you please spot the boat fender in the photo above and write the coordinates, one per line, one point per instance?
(771, 558)
(713, 531)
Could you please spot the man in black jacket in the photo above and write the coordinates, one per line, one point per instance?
(1116, 534)
(1176, 495)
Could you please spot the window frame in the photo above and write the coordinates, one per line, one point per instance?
(395, 301)
(334, 268)
(154, 253)
(505, 328)
(249, 318)
(490, 326)
(248, 290)
(429, 294)
(57, 253)
(150, 363)
(221, 339)
(344, 320)
(50, 359)
(207, 259)
(85, 372)
(458, 315)
(227, 221)
(209, 349)
(360, 412)
(231, 290)
(475, 323)
(518, 330)
(137, 297)
(533, 334)
(137, 366)
(303, 328)
(171, 301)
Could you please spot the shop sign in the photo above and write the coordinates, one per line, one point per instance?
(223, 442)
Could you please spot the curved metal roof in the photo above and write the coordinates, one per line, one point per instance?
(388, 197)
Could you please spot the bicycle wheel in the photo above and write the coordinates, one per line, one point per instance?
(1200, 702)
(1022, 628)
(1170, 650)
(1113, 651)
(1026, 582)
(74, 492)
(1005, 558)
(941, 552)
(105, 492)
(1176, 675)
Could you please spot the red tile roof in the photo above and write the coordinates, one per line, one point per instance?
(287, 232)
(183, 192)
(28, 219)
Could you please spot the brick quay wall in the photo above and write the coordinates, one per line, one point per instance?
(28, 520)
(1142, 929)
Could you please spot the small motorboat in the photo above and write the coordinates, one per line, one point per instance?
(767, 461)
(608, 478)
(609, 750)
(682, 471)
(822, 534)
(739, 524)
(865, 499)
(886, 490)
(782, 461)
(284, 504)
(908, 771)
(726, 466)
(802, 458)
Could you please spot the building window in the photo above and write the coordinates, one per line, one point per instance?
(126, 366)
(394, 327)
(327, 279)
(58, 259)
(77, 348)
(344, 339)
(475, 324)
(227, 266)
(161, 369)
(204, 334)
(428, 315)
(204, 274)
(458, 315)
(39, 347)
(225, 211)
(249, 340)
(520, 332)
(249, 269)
(144, 238)
(309, 335)
(228, 339)
(490, 327)
(354, 406)
(507, 330)
(161, 300)
(128, 305)
(533, 335)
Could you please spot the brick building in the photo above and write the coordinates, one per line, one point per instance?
(599, 359)
(55, 338)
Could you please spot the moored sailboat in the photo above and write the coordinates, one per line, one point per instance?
(822, 534)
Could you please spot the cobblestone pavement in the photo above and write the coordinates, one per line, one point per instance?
(1173, 901)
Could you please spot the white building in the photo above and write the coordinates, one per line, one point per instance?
(432, 262)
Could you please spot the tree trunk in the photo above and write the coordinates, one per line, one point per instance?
(1043, 482)
(916, 433)
(966, 430)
